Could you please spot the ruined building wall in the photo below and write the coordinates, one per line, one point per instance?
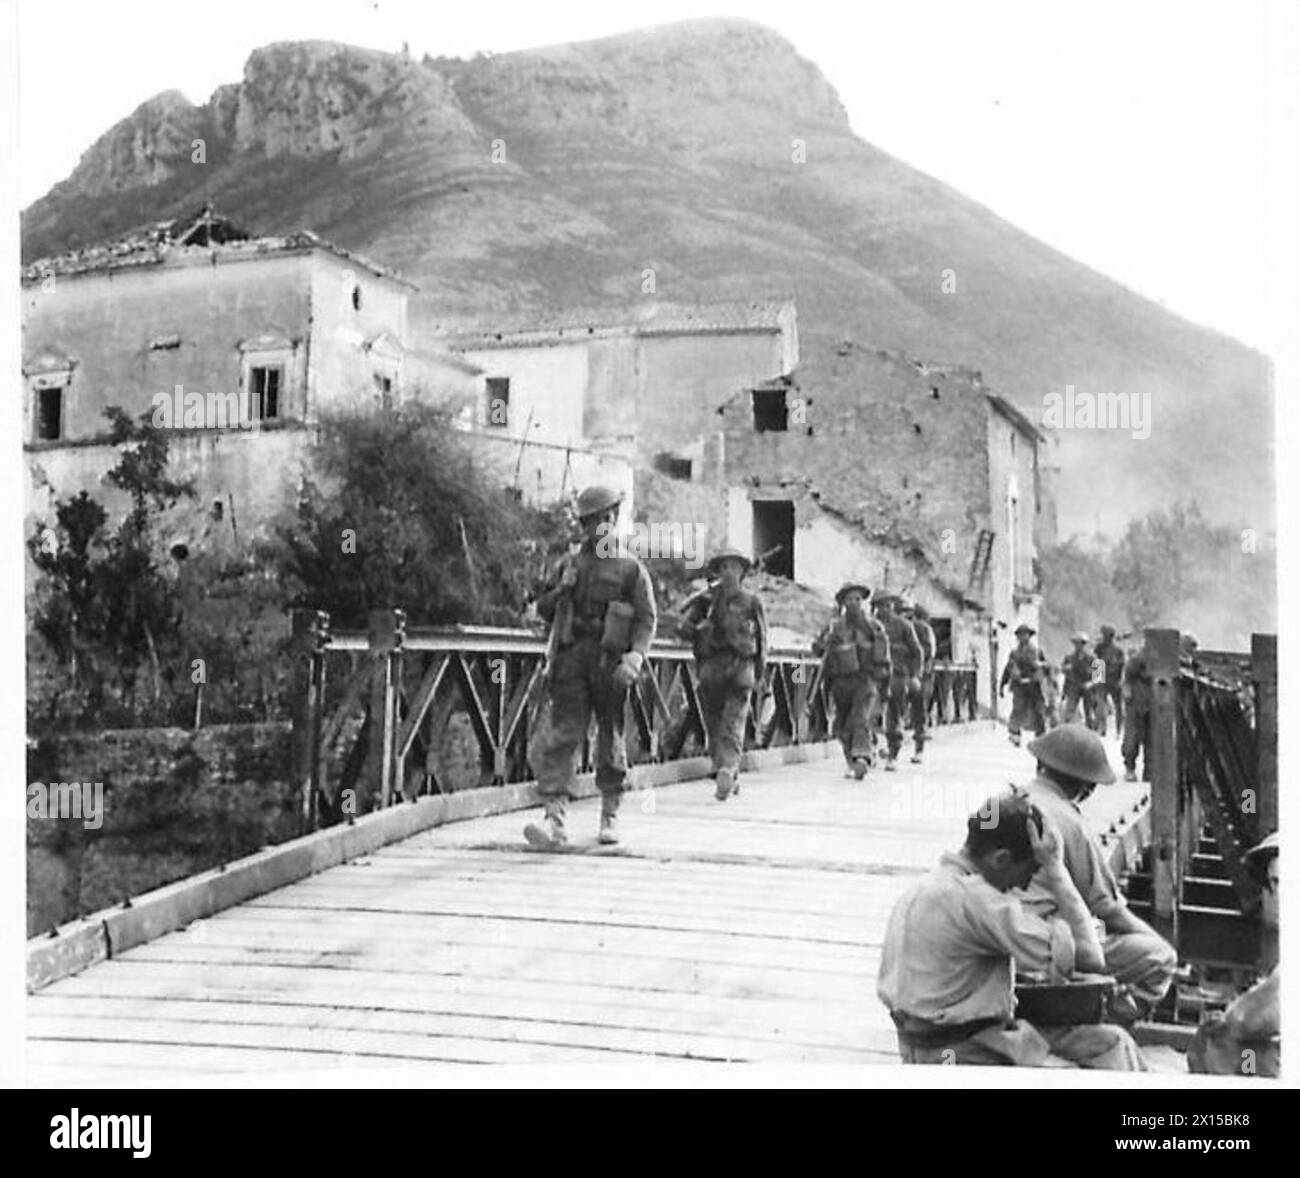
(683, 379)
(868, 431)
(137, 332)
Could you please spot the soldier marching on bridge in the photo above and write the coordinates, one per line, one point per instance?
(908, 661)
(856, 666)
(923, 694)
(1024, 674)
(727, 628)
(1083, 673)
(601, 608)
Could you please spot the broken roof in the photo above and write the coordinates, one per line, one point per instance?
(202, 234)
(809, 375)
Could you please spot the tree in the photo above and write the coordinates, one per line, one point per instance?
(105, 606)
(1170, 568)
(394, 512)
(1078, 592)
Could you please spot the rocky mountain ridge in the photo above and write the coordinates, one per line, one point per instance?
(712, 157)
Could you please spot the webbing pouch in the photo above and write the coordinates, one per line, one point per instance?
(617, 635)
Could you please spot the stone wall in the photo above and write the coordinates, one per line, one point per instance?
(174, 802)
(897, 448)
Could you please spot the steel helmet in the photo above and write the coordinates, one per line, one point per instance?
(852, 587)
(1079, 636)
(596, 499)
(1261, 852)
(1257, 859)
(729, 553)
(1074, 750)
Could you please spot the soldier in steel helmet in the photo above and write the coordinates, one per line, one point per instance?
(1071, 764)
(1025, 676)
(854, 650)
(921, 696)
(905, 680)
(1245, 1039)
(957, 936)
(1136, 694)
(1111, 691)
(727, 628)
(1082, 672)
(601, 608)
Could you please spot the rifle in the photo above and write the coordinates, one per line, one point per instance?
(561, 623)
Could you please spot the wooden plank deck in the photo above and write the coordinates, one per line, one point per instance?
(744, 931)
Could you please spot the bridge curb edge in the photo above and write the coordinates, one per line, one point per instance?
(111, 931)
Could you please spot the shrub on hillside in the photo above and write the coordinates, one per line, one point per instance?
(395, 513)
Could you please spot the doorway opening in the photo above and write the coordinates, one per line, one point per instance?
(774, 536)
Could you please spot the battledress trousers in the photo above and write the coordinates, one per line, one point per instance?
(581, 680)
(856, 662)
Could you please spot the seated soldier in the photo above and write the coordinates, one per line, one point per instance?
(1071, 763)
(1245, 1039)
(956, 938)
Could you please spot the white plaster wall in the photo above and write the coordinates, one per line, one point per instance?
(548, 389)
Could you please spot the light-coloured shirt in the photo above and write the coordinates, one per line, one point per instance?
(953, 942)
(1081, 851)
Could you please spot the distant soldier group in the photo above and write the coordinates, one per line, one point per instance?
(1100, 683)
(601, 610)
(1031, 888)
(880, 673)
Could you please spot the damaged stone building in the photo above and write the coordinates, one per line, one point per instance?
(241, 341)
(832, 462)
(250, 339)
(639, 385)
(863, 463)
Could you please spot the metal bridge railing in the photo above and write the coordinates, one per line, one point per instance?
(388, 714)
(1213, 763)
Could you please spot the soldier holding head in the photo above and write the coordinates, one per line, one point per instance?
(1024, 675)
(905, 681)
(957, 936)
(602, 612)
(727, 627)
(855, 654)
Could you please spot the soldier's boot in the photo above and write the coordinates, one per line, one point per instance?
(860, 766)
(891, 761)
(916, 755)
(1130, 775)
(608, 819)
(1014, 738)
(548, 835)
(726, 783)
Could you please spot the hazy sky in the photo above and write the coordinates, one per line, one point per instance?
(1139, 136)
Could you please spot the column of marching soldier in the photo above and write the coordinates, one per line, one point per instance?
(601, 610)
(1030, 891)
(1100, 682)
